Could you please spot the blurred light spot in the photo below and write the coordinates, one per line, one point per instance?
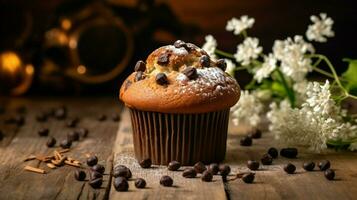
(81, 69)
(73, 44)
(29, 69)
(66, 24)
(10, 61)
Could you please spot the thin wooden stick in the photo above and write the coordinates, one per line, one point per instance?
(31, 157)
(35, 169)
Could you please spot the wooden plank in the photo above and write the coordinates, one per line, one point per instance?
(15, 183)
(273, 183)
(183, 188)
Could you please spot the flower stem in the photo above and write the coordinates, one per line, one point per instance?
(289, 91)
(245, 34)
(223, 53)
(240, 68)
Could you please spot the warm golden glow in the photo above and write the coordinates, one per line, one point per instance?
(10, 61)
(81, 69)
(73, 44)
(66, 24)
(29, 69)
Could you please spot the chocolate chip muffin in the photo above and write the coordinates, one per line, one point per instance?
(179, 102)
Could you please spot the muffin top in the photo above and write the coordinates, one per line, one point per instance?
(180, 78)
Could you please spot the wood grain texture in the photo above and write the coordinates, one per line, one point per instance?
(15, 183)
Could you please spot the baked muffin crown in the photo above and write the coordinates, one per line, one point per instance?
(180, 78)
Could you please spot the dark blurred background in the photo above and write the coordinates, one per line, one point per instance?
(87, 47)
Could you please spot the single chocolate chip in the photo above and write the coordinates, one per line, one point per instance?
(60, 113)
(51, 142)
(123, 171)
(145, 163)
(94, 174)
(273, 152)
(102, 117)
(205, 61)
(207, 176)
(246, 141)
(266, 159)
(43, 132)
(174, 166)
(289, 152)
(83, 132)
(179, 44)
(248, 177)
(221, 63)
(72, 123)
(79, 175)
(224, 170)
(253, 164)
(190, 47)
(190, 72)
(139, 76)
(92, 160)
(163, 59)
(73, 136)
(65, 144)
(289, 168)
(329, 174)
(98, 168)
(161, 79)
(140, 183)
(309, 166)
(324, 165)
(140, 66)
(115, 117)
(214, 168)
(121, 184)
(42, 117)
(256, 134)
(96, 183)
(127, 84)
(199, 167)
(166, 181)
(189, 173)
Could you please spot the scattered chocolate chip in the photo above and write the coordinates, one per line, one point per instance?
(166, 181)
(92, 160)
(161, 79)
(289, 168)
(224, 170)
(221, 63)
(140, 183)
(115, 117)
(174, 166)
(79, 175)
(96, 183)
(43, 132)
(179, 44)
(123, 171)
(83, 132)
(256, 134)
(190, 72)
(95, 174)
(127, 84)
(60, 113)
(102, 118)
(248, 177)
(199, 167)
(190, 46)
(73, 136)
(98, 168)
(246, 141)
(205, 61)
(266, 159)
(163, 59)
(51, 142)
(121, 184)
(289, 152)
(324, 165)
(145, 163)
(189, 173)
(42, 117)
(309, 166)
(253, 164)
(65, 144)
(207, 176)
(273, 152)
(329, 174)
(139, 76)
(140, 66)
(72, 123)
(214, 168)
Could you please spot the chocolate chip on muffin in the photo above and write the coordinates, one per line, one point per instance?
(140, 66)
(163, 59)
(205, 61)
(221, 63)
(139, 76)
(161, 79)
(179, 44)
(190, 72)
(127, 84)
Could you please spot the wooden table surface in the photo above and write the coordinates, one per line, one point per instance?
(112, 143)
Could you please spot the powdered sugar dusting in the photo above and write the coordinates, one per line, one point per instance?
(177, 51)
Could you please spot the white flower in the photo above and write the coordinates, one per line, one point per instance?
(267, 67)
(230, 67)
(210, 46)
(320, 29)
(291, 53)
(248, 50)
(300, 90)
(247, 110)
(238, 25)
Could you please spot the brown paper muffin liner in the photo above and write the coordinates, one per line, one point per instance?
(187, 138)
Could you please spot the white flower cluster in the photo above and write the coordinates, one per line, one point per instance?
(230, 67)
(248, 50)
(314, 124)
(291, 53)
(320, 29)
(247, 110)
(210, 46)
(266, 69)
(239, 25)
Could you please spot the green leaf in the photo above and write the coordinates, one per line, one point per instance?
(278, 89)
(350, 75)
